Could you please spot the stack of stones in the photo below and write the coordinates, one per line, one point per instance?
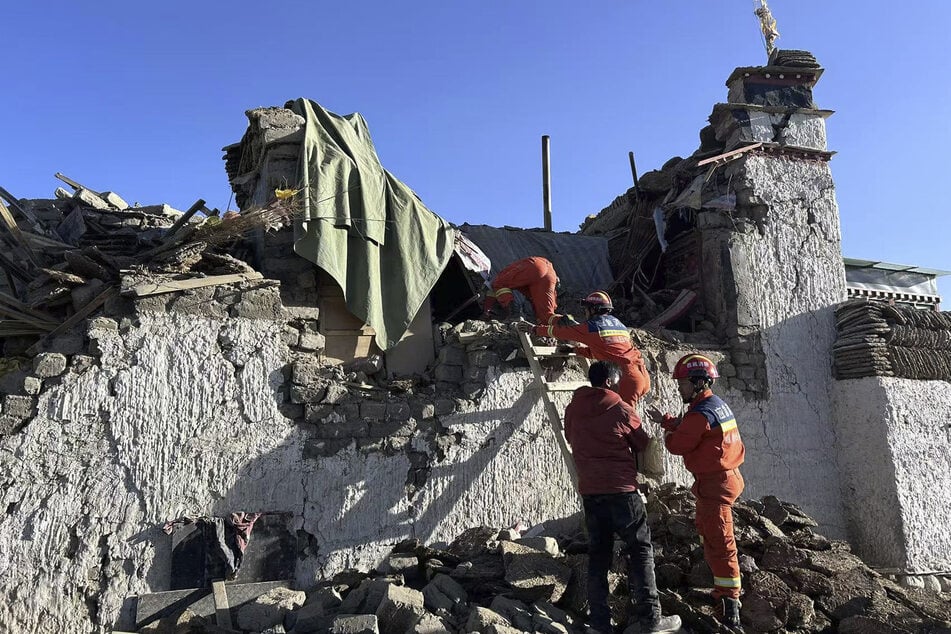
(876, 339)
(498, 581)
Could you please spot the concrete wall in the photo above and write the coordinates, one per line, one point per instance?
(894, 445)
(185, 415)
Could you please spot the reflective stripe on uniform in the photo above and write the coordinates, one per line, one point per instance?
(503, 291)
(727, 582)
(728, 425)
(614, 333)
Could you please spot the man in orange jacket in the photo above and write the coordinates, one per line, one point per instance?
(709, 441)
(533, 277)
(604, 338)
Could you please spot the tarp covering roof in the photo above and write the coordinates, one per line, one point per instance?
(889, 277)
(364, 227)
(581, 262)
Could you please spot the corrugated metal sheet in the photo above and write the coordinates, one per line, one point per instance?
(580, 261)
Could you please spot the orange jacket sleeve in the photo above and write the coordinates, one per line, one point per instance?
(688, 434)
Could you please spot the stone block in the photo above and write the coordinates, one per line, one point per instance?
(746, 372)
(49, 364)
(307, 393)
(445, 406)
(509, 535)
(354, 624)
(10, 425)
(398, 411)
(115, 200)
(430, 624)
(535, 574)
(452, 355)
(32, 385)
(21, 407)
(79, 363)
(480, 619)
(290, 336)
(310, 618)
(312, 341)
(392, 428)
(260, 303)
(90, 199)
(68, 344)
(405, 565)
(305, 372)
(345, 430)
(514, 612)
(483, 358)
(335, 394)
(473, 374)
(269, 609)
(400, 608)
(373, 410)
(443, 594)
(448, 373)
(544, 544)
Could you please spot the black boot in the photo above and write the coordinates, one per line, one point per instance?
(731, 614)
(660, 625)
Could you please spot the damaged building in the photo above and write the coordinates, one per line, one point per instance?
(298, 398)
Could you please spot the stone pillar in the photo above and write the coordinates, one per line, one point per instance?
(771, 269)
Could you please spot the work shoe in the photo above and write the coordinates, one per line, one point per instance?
(660, 625)
(731, 614)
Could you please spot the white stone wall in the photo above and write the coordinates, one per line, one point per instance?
(789, 275)
(895, 449)
(182, 418)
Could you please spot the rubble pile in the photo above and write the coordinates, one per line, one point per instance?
(64, 258)
(875, 339)
(501, 581)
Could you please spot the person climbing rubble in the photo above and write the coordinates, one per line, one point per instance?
(603, 337)
(604, 433)
(533, 277)
(709, 441)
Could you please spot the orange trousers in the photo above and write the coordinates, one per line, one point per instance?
(634, 383)
(715, 495)
(533, 277)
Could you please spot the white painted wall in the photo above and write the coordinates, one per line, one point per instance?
(894, 439)
(182, 419)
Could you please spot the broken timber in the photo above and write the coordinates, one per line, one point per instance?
(170, 286)
(80, 314)
(551, 409)
(222, 609)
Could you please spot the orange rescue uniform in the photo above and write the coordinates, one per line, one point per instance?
(709, 441)
(605, 338)
(533, 277)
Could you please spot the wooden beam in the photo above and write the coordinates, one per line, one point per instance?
(170, 286)
(729, 155)
(199, 204)
(74, 184)
(14, 229)
(222, 609)
(14, 304)
(81, 314)
(14, 202)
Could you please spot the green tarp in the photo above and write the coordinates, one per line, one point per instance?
(364, 227)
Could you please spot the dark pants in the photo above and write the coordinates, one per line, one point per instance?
(622, 514)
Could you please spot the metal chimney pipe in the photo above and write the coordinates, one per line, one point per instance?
(546, 180)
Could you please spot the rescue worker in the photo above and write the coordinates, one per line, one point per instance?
(604, 433)
(604, 338)
(533, 277)
(709, 441)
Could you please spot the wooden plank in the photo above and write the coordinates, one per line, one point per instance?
(677, 309)
(73, 183)
(728, 155)
(14, 202)
(81, 314)
(146, 289)
(222, 609)
(564, 386)
(14, 229)
(43, 242)
(15, 304)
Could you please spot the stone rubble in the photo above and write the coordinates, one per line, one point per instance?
(491, 580)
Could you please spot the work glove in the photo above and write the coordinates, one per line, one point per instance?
(669, 423)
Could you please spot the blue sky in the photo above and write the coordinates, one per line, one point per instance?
(139, 98)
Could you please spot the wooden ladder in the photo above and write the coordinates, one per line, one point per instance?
(545, 389)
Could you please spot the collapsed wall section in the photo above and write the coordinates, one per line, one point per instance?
(170, 413)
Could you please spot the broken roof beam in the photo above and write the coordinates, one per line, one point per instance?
(14, 203)
(81, 314)
(14, 229)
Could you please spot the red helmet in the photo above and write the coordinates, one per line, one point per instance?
(696, 366)
(599, 300)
